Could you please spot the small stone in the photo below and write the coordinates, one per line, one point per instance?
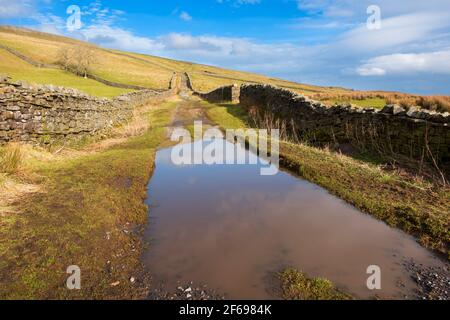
(132, 279)
(188, 290)
(115, 284)
(413, 112)
(389, 109)
(189, 296)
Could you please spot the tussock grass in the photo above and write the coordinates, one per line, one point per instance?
(295, 285)
(378, 100)
(137, 125)
(11, 158)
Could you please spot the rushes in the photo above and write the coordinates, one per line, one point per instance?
(11, 158)
(375, 99)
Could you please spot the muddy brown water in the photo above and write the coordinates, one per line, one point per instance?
(230, 228)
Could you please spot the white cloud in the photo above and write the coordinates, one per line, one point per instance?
(240, 2)
(414, 39)
(395, 32)
(13, 9)
(370, 71)
(118, 38)
(185, 16)
(49, 23)
(178, 41)
(407, 64)
(248, 1)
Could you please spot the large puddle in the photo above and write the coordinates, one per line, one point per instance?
(231, 228)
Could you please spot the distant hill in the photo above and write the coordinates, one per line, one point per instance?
(155, 72)
(122, 67)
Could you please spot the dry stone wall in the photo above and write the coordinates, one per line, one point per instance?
(223, 94)
(43, 114)
(418, 134)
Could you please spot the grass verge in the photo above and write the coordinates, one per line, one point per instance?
(89, 212)
(295, 285)
(404, 201)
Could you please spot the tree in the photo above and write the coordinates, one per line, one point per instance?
(77, 59)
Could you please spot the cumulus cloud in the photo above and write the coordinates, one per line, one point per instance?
(395, 32)
(407, 64)
(178, 41)
(413, 39)
(113, 37)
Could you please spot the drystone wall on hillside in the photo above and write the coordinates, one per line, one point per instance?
(45, 113)
(415, 133)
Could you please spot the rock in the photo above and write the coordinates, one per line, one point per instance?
(413, 111)
(13, 108)
(189, 296)
(115, 284)
(188, 290)
(393, 109)
(132, 279)
(8, 115)
(4, 78)
(4, 126)
(439, 117)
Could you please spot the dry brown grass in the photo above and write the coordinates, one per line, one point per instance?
(12, 191)
(108, 65)
(11, 158)
(434, 103)
(137, 125)
(15, 182)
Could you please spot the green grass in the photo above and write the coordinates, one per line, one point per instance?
(140, 69)
(20, 70)
(106, 64)
(295, 285)
(415, 206)
(229, 116)
(376, 103)
(79, 218)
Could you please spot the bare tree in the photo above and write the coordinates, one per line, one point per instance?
(77, 59)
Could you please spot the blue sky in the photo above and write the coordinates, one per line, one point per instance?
(323, 42)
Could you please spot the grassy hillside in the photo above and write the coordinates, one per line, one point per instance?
(108, 65)
(21, 70)
(155, 72)
(128, 68)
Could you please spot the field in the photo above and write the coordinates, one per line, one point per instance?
(18, 69)
(155, 72)
(136, 69)
(45, 49)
